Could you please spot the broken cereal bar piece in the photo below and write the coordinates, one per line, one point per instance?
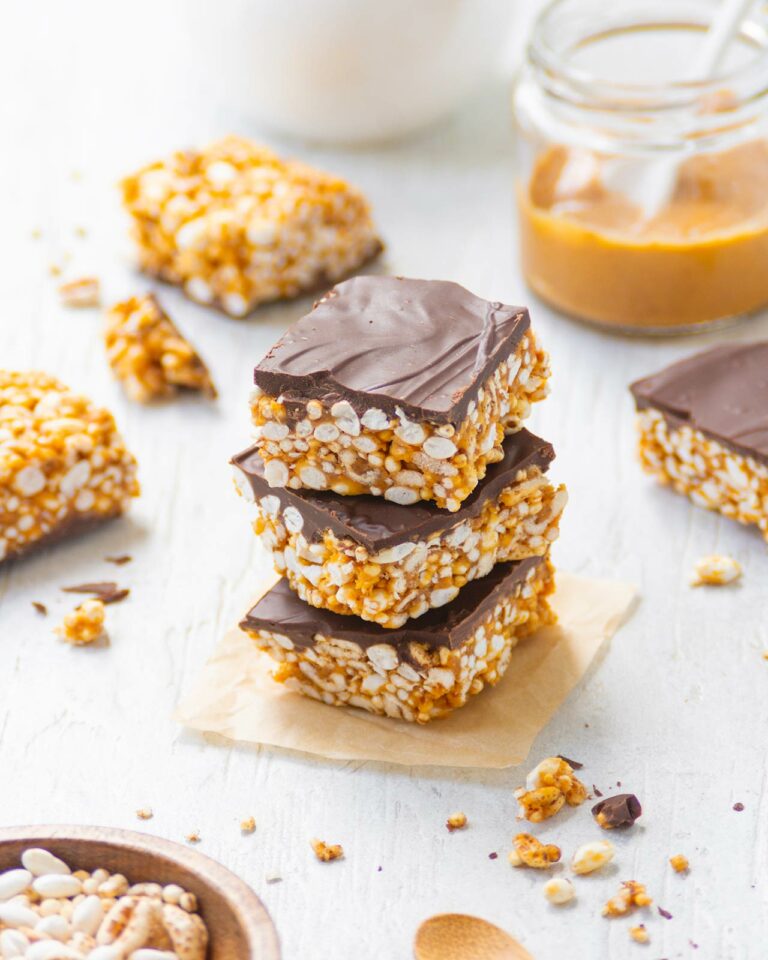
(149, 355)
(235, 225)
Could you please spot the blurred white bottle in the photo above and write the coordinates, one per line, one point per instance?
(350, 71)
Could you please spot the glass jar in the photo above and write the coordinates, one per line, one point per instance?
(642, 194)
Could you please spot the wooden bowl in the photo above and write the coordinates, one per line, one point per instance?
(239, 925)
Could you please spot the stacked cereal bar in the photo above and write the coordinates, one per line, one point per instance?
(236, 226)
(63, 465)
(400, 496)
(399, 388)
(417, 672)
(387, 563)
(703, 425)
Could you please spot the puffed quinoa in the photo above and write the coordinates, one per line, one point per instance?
(148, 353)
(639, 934)
(549, 786)
(58, 914)
(715, 570)
(631, 894)
(559, 890)
(592, 856)
(248, 825)
(145, 813)
(679, 863)
(528, 851)
(456, 821)
(235, 225)
(84, 292)
(326, 852)
(84, 625)
(63, 465)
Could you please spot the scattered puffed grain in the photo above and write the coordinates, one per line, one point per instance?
(456, 821)
(559, 890)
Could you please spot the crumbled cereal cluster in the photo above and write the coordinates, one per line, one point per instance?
(404, 581)
(84, 625)
(639, 934)
(430, 683)
(48, 912)
(549, 786)
(711, 475)
(715, 570)
(679, 863)
(326, 852)
(85, 292)
(149, 355)
(631, 894)
(63, 465)
(332, 448)
(527, 851)
(236, 226)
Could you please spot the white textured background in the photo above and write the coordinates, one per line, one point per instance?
(676, 710)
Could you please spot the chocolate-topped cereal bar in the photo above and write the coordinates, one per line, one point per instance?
(387, 563)
(402, 389)
(235, 225)
(703, 425)
(418, 672)
(63, 465)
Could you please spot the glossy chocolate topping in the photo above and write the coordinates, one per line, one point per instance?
(722, 392)
(281, 611)
(426, 346)
(374, 522)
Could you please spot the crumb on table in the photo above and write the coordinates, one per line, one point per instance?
(326, 852)
(84, 625)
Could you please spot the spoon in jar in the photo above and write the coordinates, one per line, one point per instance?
(654, 189)
(457, 936)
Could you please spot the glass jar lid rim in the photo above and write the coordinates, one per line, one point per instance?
(748, 80)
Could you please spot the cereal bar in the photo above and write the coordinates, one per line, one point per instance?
(149, 355)
(63, 465)
(387, 563)
(418, 672)
(402, 389)
(235, 225)
(703, 426)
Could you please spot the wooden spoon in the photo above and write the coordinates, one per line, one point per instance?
(456, 936)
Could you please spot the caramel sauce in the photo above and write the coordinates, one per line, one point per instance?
(588, 249)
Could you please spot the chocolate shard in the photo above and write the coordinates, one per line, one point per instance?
(119, 561)
(574, 764)
(597, 793)
(376, 523)
(664, 913)
(620, 810)
(722, 392)
(40, 607)
(106, 591)
(423, 346)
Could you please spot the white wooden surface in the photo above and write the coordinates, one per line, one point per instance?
(676, 709)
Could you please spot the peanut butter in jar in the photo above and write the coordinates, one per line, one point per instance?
(589, 244)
